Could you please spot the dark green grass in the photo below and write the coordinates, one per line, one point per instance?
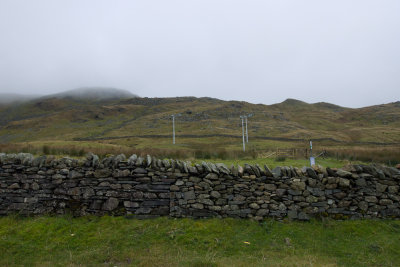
(117, 241)
(272, 162)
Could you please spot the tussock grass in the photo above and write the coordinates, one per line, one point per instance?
(272, 163)
(79, 149)
(228, 157)
(388, 155)
(337, 156)
(116, 241)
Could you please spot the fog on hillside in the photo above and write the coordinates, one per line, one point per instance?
(95, 93)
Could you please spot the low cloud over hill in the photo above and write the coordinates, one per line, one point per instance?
(84, 93)
(98, 93)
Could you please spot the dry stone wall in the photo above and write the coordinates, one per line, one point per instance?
(148, 187)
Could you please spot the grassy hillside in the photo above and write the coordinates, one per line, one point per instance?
(202, 124)
(117, 241)
(68, 119)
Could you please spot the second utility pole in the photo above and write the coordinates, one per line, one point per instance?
(173, 129)
(247, 133)
(244, 145)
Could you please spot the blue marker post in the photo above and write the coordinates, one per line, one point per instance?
(312, 159)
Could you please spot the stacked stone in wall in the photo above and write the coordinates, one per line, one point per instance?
(148, 187)
(44, 185)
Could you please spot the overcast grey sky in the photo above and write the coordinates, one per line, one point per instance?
(343, 52)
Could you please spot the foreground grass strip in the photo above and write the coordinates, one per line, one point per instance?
(117, 241)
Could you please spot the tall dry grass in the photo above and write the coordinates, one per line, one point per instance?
(387, 155)
(102, 151)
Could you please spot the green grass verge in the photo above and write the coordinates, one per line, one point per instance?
(117, 241)
(272, 163)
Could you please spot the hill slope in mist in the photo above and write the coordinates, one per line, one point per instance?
(8, 98)
(94, 93)
(84, 93)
